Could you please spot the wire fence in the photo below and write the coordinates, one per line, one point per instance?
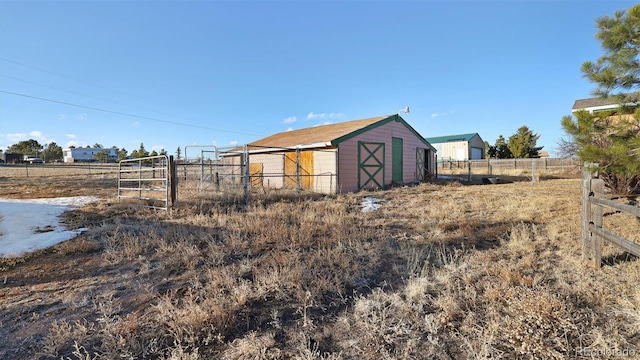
(213, 173)
(61, 170)
(256, 172)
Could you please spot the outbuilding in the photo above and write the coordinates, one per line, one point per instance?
(343, 157)
(461, 147)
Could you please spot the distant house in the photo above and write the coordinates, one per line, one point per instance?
(87, 154)
(343, 157)
(597, 104)
(459, 147)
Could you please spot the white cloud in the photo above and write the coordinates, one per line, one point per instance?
(435, 115)
(324, 123)
(290, 120)
(81, 117)
(75, 143)
(312, 115)
(135, 124)
(35, 135)
(289, 129)
(62, 117)
(71, 136)
(233, 142)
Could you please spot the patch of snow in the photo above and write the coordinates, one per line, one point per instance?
(34, 224)
(370, 204)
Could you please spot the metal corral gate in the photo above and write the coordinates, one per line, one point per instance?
(150, 179)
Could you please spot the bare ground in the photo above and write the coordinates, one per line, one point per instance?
(440, 271)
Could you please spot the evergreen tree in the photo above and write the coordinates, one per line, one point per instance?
(52, 152)
(102, 156)
(612, 139)
(140, 153)
(178, 153)
(522, 144)
(617, 70)
(26, 147)
(501, 149)
(122, 154)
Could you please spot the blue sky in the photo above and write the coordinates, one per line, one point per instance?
(175, 73)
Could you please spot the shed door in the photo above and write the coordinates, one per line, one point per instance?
(421, 165)
(370, 165)
(256, 172)
(476, 153)
(305, 171)
(396, 160)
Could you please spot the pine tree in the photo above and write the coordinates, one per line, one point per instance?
(122, 154)
(612, 139)
(522, 144)
(502, 148)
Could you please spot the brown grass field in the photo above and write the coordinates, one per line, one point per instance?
(441, 271)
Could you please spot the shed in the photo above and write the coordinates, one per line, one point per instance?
(342, 157)
(11, 158)
(459, 147)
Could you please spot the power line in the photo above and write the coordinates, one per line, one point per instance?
(124, 114)
(85, 82)
(75, 93)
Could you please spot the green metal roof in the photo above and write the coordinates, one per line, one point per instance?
(451, 138)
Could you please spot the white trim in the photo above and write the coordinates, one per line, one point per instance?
(591, 109)
(273, 149)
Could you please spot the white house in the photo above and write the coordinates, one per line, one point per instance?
(597, 104)
(86, 154)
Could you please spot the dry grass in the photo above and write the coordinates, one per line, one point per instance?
(440, 271)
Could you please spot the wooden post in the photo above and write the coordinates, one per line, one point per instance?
(585, 217)
(246, 174)
(533, 172)
(173, 180)
(597, 189)
(298, 184)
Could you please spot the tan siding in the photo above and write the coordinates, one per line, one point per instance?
(273, 168)
(449, 150)
(324, 167)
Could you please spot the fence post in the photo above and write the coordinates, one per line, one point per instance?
(597, 190)
(533, 172)
(173, 180)
(469, 166)
(585, 216)
(298, 171)
(246, 174)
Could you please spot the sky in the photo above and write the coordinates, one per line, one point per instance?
(171, 74)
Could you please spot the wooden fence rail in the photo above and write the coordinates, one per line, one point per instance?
(592, 232)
